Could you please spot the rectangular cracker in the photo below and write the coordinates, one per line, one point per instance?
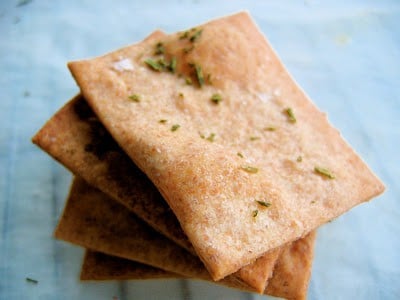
(94, 221)
(290, 281)
(192, 157)
(100, 266)
(76, 138)
(91, 219)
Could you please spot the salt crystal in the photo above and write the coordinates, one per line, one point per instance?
(277, 92)
(123, 65)
(264, 97)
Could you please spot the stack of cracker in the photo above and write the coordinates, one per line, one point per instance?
(196, 155)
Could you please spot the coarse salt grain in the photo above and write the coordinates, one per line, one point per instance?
(124, 64)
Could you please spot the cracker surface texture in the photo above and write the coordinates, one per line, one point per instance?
(93, 220)
(76, 138)
(192, 157)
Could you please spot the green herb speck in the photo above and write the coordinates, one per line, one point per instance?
(249, 169)
(162, 121)
(199, 75)
(216, 98)
(196, 35)
(291, 117)
(184, 35)
(175, 127)
(188, 81)
(159, 49)
(153, 65)
(263, 203)
(163, 63)
(270, 128)
(299, 158)
(324, 172)
(240, 154)
(255, 213)
(172, 65)
(254, 138)
(134, 98)
(211, 137)
(31, 280)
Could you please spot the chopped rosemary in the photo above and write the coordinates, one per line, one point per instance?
(184, 35)
(290, 114)
(202, 136)
(299, 158)
(216, 98)
(249, 169)
(188, 81)
(196, 35)
(240, 154)
(153, 64)
(181, 95)
(270, 128)
(172, 65)
(199, 74)
(162, 121)
(134, 98)
(163, 63)
(255, 213)
(211, 137)
(324, 172)
(254, 138)
(159, 49)
(312, 202)
(31, 280)
(263, 203)
(175, 127)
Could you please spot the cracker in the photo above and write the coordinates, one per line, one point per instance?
(290, 281)
(99, 266)
(257, 274)
(88, 150)
(94, 221)
(91, 219)
(192, 156)
(76, 138)
(293, 269)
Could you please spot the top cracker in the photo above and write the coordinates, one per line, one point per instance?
(242, 156)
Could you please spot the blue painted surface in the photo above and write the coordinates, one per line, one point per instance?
(345, 56)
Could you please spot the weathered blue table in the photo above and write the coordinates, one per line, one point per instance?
(345, 56)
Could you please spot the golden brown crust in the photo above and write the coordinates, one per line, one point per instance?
(290, 279)
(204, 183)
(293, 270)
(99, 266)
(92, 220)
(262, 269)
(76, 138)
